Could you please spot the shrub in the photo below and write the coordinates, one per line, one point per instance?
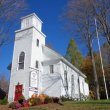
(38, 101)
(92, 94)
(84, 97)
(21, 98)
(64, 98)
(17, 105)
(32, 102)
(55, 99)
(42, 97)
(12, 105)
(48, 100)
(4, 101)
(25, 103)
(34, 95)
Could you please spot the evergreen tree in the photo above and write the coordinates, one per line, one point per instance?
(73, 55)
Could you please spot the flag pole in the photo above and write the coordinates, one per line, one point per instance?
(101, 59)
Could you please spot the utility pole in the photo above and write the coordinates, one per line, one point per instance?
(102, 67)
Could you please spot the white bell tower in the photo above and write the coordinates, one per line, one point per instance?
(27, 56)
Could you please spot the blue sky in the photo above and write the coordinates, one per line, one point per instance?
(49, 11)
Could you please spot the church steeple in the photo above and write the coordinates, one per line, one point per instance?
(27, 55)
(30, 21)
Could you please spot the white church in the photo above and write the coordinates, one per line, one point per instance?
(37, 69)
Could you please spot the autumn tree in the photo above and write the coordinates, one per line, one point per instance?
(73, 55)
(9, 11)
(80, 14)
(87, 69)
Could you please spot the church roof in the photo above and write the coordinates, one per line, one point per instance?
(51, 53)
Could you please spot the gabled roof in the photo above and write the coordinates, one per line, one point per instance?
(49, 52)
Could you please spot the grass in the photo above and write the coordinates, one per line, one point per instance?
(89, 105)
(70, 105)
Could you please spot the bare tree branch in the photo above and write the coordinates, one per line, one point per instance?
(9, 11)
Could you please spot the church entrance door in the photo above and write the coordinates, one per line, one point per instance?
(18, 92)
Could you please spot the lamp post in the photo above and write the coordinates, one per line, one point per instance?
(102, 67)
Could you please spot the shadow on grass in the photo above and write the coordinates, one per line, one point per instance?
(91, 102)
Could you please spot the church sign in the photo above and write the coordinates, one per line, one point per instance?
(33, 89)
(33, 79)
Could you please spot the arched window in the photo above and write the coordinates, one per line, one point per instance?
(65, 80)
(21, 60)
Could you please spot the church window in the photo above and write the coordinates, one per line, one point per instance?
(72, 83)
(51, 69)
(65, 80)
(37, 64)
(37, 42)
(21, 60)
(83, 86)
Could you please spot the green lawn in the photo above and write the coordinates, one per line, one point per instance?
(70, 105)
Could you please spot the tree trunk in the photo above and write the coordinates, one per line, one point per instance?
(95, 73)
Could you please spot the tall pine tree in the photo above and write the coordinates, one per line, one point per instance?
(73, 55)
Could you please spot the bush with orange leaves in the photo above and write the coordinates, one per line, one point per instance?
(42, 97)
